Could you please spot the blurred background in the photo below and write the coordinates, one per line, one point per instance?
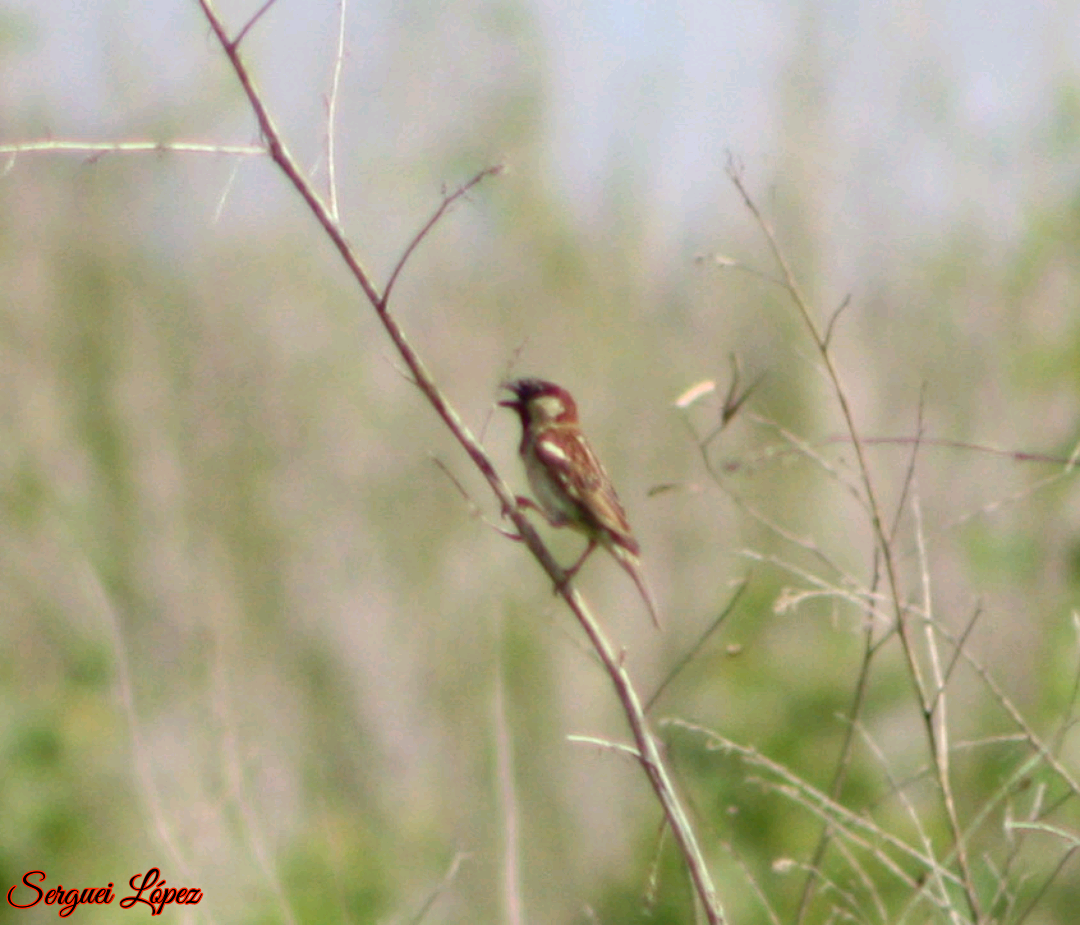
(252, 634)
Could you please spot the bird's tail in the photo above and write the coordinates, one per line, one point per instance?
(632, 565)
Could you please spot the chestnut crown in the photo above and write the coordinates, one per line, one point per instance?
(540, 402)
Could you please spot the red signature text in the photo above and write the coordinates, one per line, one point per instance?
(67, 900)
(159, 896)
(149, 888)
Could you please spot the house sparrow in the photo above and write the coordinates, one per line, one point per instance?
(572, 488)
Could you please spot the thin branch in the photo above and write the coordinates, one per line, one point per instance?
(899, 790)
(847, 749)
(1015, 455)
(1070, 714)
(832, 321)
(448, 200)
(52, 146)
(474, 508)
(937, 707)
(693, 651)
(331, 113)
(909, 473)
(441, 887)
(958, 647)
(508, 805)
(805, 448)
(922, 440)
(1053, 875)
(730, 263)
(152, 799)
(1041, 748)
(801, 447)
(511, 364)
(219, 209)
(618, 748)
(234, 768)
(251, 22)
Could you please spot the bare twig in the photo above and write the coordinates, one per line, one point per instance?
(507, 372)
(847, 749)
(224, 197)
(899, 790)
(234, 767)
(1015, 455)
(937, 705)
(443, 885)
(251, 22)
(693, 651)
(448, 200)
(1067, 464)
(474, 508)
(150, 793)
(909, 474)
(832, 321)
(733, 400)
(805, 448)
(513, 904)
(958, 648)
(331, 113)
(98, 148)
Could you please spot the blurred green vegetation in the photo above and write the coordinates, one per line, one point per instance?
(253, 636)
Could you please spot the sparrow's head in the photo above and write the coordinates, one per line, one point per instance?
(539, 403)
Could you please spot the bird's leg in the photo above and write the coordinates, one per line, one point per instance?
(524, 504)
(527, 504)
(568, 574)
(573, 570)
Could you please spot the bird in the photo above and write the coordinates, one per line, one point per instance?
(571, 486)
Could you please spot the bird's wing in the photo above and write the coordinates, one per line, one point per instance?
(571, 460)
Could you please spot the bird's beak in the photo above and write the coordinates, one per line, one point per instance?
(514, 402)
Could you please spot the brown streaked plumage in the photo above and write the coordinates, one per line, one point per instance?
(571, 486)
